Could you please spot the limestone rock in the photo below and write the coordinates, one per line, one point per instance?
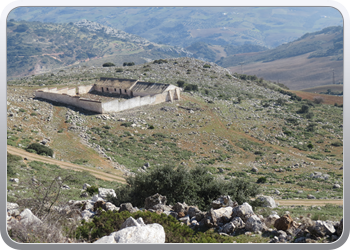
(238, 222)
(193, 211)
(151, 233)
(322, 228)
(221, 215)
(131, 222)
(228, 228)
(154, 200)
(254, 224)
(127, 207)
(107, 239)
(243, 211)
(28, 217)
(12, 209)
(267, 201)
(180, 207)
(223, 201)
(104, 193)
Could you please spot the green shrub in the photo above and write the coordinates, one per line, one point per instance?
(180, 83)
(128, 63)
(108, 64)
(261, 180)
(337, 144)
(92, 190)
(303, 110)
(40, 149)
(206, 66)
(160, 61)
(191, 87)
(193, 186)
(126, 124)
(119, 70)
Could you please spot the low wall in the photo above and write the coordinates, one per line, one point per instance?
(94, 106)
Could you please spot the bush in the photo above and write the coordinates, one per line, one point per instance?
(337, 144)
(261, 180)
(108, 64)
(206, 66)
(318, 99)
(160, 61)
(303, 110)
(40, 149)
(128, 64)
(92, 190)
(193, 186)
(119, 70)
(191, 87)
(180, 83)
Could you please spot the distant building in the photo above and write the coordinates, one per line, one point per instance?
(109, 95)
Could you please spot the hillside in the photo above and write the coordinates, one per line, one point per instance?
(229, 125)
(304, 63)
(182, 26)
(35, 47)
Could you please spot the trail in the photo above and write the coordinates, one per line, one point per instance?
(66, 165)
(308, 202)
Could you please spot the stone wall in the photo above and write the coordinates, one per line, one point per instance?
(94, 106)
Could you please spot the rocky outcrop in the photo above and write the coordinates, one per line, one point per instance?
(226, 220)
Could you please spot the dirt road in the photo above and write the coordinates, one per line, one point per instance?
(308, 202)
(67, 165)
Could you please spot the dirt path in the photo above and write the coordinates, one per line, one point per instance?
(66, 165)
(309, 202)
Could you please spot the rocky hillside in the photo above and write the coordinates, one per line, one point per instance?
(234, 126)
(247, 128)
(35, 47)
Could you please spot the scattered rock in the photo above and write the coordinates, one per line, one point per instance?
(283, 223)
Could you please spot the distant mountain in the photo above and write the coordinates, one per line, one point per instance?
(35, 47)
(306, 62)
(183, 26)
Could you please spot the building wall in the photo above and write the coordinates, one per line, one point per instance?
(66, 96)
(85, 89)
(71, 100)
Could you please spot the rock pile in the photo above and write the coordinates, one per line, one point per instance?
(225, 216)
